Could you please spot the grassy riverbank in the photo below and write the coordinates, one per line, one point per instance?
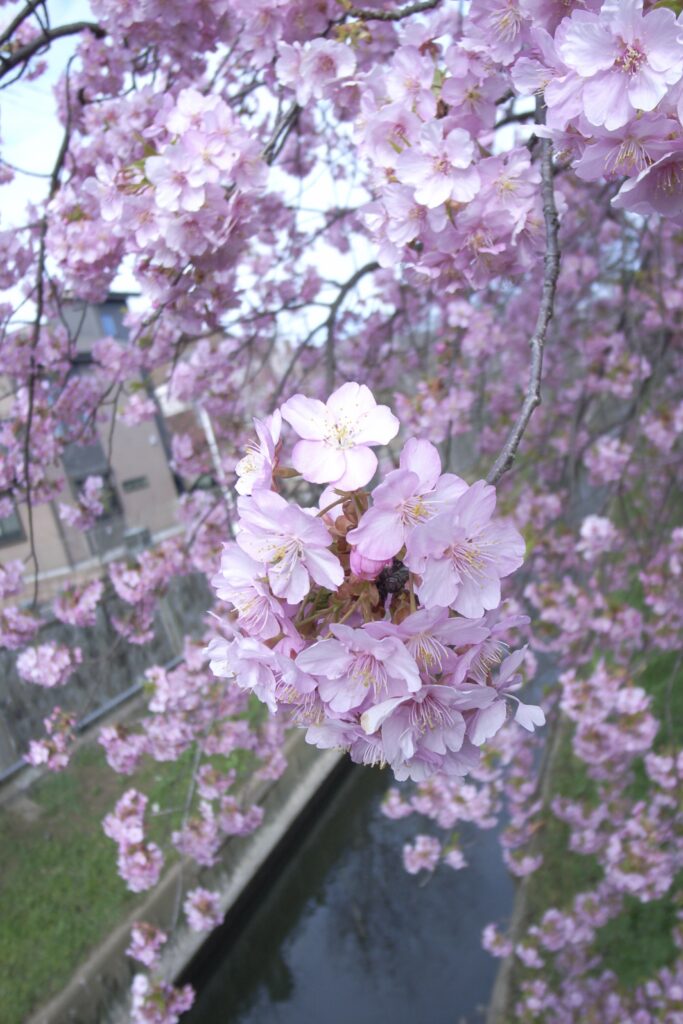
(59, 891)
(60, 894)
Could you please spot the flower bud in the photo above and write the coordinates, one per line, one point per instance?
(367, 568)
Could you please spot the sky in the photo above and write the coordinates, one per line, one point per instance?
(30, 131)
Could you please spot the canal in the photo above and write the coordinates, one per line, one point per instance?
(340, 933)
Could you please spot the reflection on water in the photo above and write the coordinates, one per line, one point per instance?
(344, 934)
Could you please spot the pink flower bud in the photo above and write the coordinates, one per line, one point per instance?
(367, 568)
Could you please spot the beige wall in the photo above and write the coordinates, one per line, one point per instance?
(138, 451)
(49, 546)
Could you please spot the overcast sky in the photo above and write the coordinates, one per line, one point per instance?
(30, 131)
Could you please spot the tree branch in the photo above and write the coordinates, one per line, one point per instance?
(537, 341)
(330, 360)
(21, 17)
(403, 12)
(24, 53)
(281, 131)
(35, 333)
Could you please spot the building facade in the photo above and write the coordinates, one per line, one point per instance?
(140, 489)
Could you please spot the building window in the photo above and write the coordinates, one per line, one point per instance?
(134, 483)
(11, 529)
(111, 319)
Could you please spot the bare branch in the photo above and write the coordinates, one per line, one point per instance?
(545, 312)
(330, 360)
(24, 53)
(298, 352)
(21, 17)
(35, 334)
(328, 324)
(403, 12)
(281, 131)
(21, 170)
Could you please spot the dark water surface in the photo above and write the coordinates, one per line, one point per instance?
(343, 934)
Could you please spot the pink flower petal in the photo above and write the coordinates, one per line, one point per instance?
(421, 458)
(361, 464)
(318, 462)
(487, 722)
(308, 416)
(529, 716)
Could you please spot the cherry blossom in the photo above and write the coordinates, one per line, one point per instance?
(408, 496)
(354, 664)
(158, 1002)
(48, 664)
(626, 58)
(337, 436)
(255, 469)
(291, 544)
(440, 168)
(313, 67)
(202, 910)
(461, 557)
(145, 942)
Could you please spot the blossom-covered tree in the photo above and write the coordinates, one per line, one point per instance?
(399, 480)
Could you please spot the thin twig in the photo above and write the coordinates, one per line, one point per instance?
(296, 355)
(189, 796)
(330, 323)
(35, 335)
(281, 131)
(551, 259)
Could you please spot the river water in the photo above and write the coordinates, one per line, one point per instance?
(341, 933)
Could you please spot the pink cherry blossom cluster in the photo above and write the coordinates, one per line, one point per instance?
(203, 834)
(610, 77)
(315, 69)
(440, 206)
(423, 854)
(187, 711)
(77, 605)
(604, 585)
(11, 578)
(374, 626)
(146, 941)
(157, 1002)
(53, 751)
(17, 628)
(184, 190)
(89, 507)
(139, 583)
(202, 909)
(502, 781)
(661, 581)
(49, 664)
(637, 844)
(139, 862)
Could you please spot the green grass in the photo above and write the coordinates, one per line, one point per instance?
(59, 891)
(60, 894)
(638, 942)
